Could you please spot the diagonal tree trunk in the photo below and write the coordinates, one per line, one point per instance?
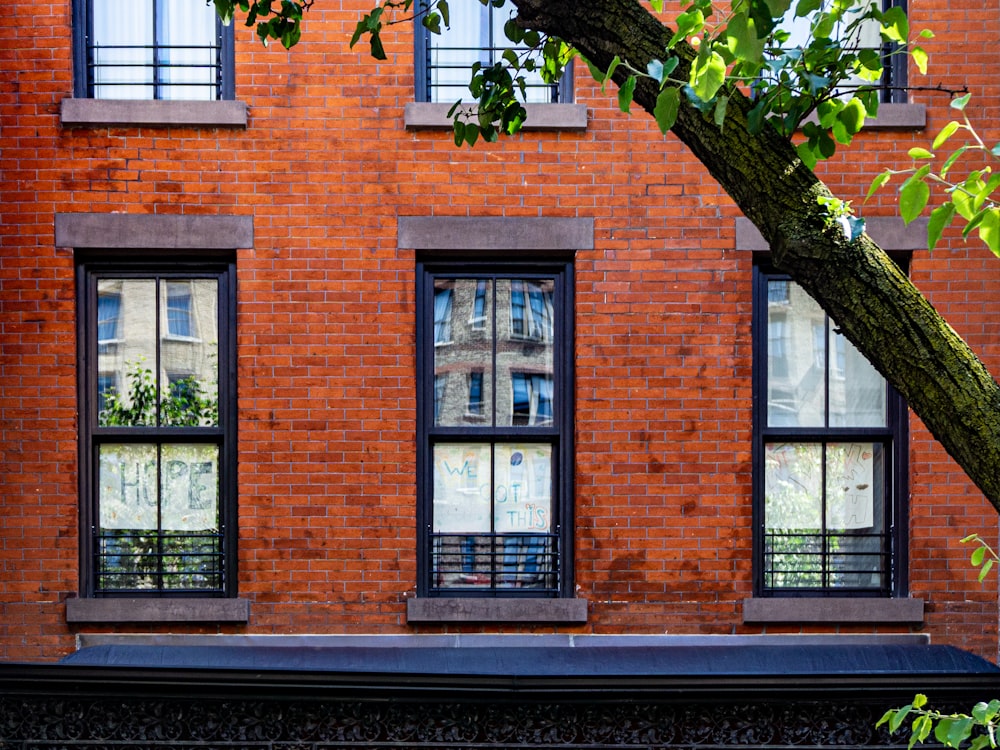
(876, 306)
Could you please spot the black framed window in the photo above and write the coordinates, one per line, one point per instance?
(475, 34)
(158, 444)
(495, 429)
(152, 49)
(829, 455)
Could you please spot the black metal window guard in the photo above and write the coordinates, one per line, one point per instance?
(143, 562)
(496, 562)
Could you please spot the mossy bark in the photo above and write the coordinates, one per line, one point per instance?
(862, 289)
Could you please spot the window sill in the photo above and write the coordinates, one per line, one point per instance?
(461, 609)
(175, 609)
(898, 117)
(832, 610)
(99, 112)
(434, 116)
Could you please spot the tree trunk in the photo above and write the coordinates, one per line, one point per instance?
(876, 306)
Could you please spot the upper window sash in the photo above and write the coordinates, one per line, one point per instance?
(151, 50)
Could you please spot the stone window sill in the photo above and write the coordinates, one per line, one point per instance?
(434, 116)
(157, 610)
(433, 609)
(899, 117)
(832, 610)
(103, 112)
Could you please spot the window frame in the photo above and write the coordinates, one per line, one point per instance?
(90, 266)
(563, 90)
(83, 84)
(558, 434)
(894, 436)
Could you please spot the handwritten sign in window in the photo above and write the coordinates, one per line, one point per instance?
(510, 493)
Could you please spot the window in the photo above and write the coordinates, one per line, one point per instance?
(892, 87)
(476, 35)
(495, 453)
(829, 455)
(152, 49)
(157, 423)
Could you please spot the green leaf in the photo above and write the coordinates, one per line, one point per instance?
(940, 218)
(720, 110)
(919, 153)
(708, 76)
(895, 27)
(742, 39)
(625, 94)
(989, 563)
(615, 62)
(913, 197)
(919, 56)
(926, 34)
(960, 102)
(805, 7)
(896, 720)
(459, 132)
(471, 134)
(688, 23)
(952, 159)
(668, 104)
(946, 132)
(978, 555)
(989, 233)
(919, 700)
(852, 116)
(806, 154)
(878, 182)
(654, 68)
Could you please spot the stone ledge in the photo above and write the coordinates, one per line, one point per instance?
(173, 232)
(458, 609)
(434, 116)
(98, 112)
(494, 233)
(891, 234)
(832, 610)
(176, 609)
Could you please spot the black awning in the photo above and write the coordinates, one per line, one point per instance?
(499, 661)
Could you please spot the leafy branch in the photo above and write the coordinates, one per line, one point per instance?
(951, 730)
(972, 198)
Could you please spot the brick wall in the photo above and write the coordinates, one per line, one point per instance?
(326, 336)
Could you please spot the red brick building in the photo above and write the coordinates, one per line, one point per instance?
(279, 359)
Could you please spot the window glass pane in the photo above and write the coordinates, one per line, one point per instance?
(857, 391)
(796, 357)
(854, 486)
(525, 352)
(462, 488)
(126, 362)
(189, 353)
(463, 352)
(123, 49)
(158, 517)
(793, 482)
(522, 488)
(188, 53)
